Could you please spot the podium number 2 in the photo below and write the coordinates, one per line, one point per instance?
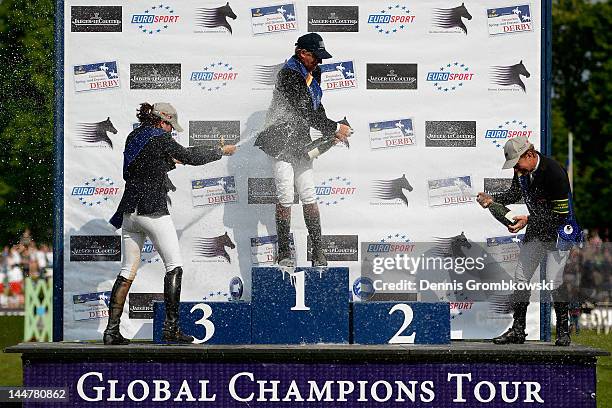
(209, 327)
(408, 316)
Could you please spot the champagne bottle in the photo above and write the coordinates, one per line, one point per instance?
(502, 213)
(319, 146)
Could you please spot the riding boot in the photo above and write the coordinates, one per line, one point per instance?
(516, 334)
(283, 226)
(112, 336)
(561, 306)
(172, 295)
(312, 219)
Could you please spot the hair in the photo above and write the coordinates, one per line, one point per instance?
(145, 115)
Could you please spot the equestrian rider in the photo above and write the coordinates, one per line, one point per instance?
(544, 185)
(150, 153)
(295, 108)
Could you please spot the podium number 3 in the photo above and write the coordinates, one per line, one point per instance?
(408, 316)
(209, 327)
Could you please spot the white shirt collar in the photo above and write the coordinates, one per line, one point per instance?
(537, 165)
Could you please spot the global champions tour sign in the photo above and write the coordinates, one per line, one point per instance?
(317, 385)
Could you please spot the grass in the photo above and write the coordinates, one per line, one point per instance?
(10, 364)
(604, 364)
(12, 333)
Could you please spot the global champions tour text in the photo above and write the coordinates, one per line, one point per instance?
(93, 387)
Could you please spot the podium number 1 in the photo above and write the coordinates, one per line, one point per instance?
(408, 316)
(300, 291)
(209, 327)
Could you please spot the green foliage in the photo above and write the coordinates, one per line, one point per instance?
(10, 364)
(26, 117)
(581, 102)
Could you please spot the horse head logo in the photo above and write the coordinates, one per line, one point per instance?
(266, 74)
(452, 246)
(216, 17)
(97, 132)
(451, 17)
(213, 247)
(392, 189)
(510, 75)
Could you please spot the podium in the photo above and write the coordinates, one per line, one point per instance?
(208, 322)
(401, 323)
(309, 305)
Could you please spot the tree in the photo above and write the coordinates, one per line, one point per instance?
(581, 102)
(26, 118)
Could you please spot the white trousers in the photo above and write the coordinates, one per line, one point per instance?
(160, 230)
(300, 174)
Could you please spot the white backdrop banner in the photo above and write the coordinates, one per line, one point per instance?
(433, 89)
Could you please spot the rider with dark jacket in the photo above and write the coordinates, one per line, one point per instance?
(150, 153)
(296, 107)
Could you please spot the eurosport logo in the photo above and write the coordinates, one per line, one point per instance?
(338, 75)
(155, 19)
(96, 76)
(95, 191)
(334, 190)
(149, 254)
(214, 77)
(511, 19)
(450, 77)
(507, 130)
(391, 19)
(273, 19)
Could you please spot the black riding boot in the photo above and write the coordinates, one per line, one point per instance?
(283, 226)
(312, 219)
(112, 336)
(516, 334)
(172, 296)
(561, 305)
